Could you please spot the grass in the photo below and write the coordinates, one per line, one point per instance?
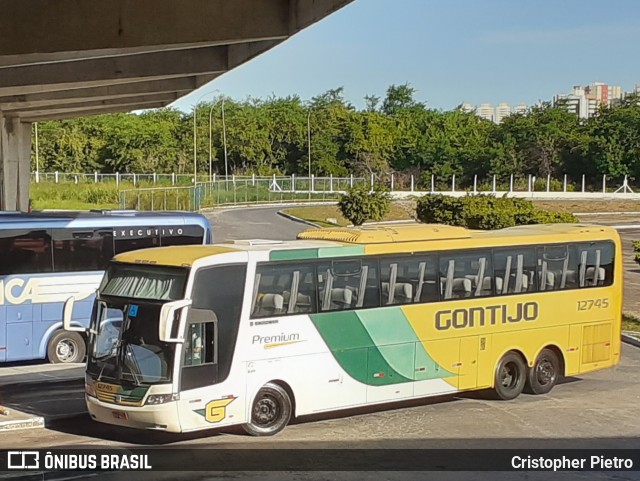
(585, 206)
(318, 214)
(405, 210)
(70, 204)
(68, 195)
(630, 323)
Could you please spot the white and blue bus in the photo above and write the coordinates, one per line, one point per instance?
(47, 257)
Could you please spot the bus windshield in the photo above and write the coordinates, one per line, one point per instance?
(125, 347)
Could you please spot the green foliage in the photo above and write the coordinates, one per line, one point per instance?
(485, 212)
(636, 251)
(74, 196)
(395, 134)
(359, 204)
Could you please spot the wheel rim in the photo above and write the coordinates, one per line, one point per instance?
(509, 375)
(66, 350)
(545, 372)
(266, 411)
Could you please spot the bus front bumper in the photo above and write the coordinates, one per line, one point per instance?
(160, 417)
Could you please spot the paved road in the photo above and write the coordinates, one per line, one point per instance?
(254, 223)
(598, 411)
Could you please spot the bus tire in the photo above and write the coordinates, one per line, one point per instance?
(66, 347)
(270, 412)
(544, 373)
(510, 377)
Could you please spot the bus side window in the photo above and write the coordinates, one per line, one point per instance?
(283, 289)
(348, 284)
(466, 274)
(595, 266)
(514, 271)
(26, 252)
(135, 241)
(409, 279)
(199, 344)
(181, 235)
(558, 267)
(87, 250)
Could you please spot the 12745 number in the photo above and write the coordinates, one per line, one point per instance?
(593, 304)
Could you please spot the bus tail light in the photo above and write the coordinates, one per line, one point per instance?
(162, 398)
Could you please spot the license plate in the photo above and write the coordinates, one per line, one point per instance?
(119, 415)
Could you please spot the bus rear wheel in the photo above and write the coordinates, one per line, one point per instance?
(510, 377)
(271, 411)
(544, 373)
(66, 347)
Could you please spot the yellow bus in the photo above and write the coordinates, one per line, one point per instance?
(255, 332)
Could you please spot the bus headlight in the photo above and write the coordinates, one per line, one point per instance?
(90, 389)
(162, 398)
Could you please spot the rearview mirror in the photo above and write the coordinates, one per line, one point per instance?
(66, 316)
(170, 314)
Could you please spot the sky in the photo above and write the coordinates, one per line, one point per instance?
(449, 51)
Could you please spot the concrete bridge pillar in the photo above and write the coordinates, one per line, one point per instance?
(15, 158)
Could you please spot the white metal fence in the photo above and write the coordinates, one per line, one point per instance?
(237, 190)
(394, 182)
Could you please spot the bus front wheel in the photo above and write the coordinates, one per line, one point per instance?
(271, 411)
(66, 347)
(544, 373)
(511, 375)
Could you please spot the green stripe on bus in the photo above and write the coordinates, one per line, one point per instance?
(315, 253)
(377, 346)
(296, 254)
(354, 349)
(391, 331)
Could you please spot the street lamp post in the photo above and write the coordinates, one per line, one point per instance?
(224, 143)
(309, 149)
(35, 124)
(224, 140)
(195, 146)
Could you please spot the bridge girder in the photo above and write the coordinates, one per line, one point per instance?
(71, 58)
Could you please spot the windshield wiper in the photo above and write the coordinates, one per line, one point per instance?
(113, 353)
(133, 364)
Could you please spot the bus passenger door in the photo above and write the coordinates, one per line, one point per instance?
(208, 393)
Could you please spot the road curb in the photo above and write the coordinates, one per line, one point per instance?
(296, 219)
(634, 341)
(22, 422)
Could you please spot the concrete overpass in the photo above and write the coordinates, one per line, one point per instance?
(69, 58)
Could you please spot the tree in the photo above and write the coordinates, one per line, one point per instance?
(360, 204)
(399, 97)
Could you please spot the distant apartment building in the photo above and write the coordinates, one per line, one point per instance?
(502, 110)
(520, 109)
(494, 114)
(467, 108)
(585, 101)
(486, 111)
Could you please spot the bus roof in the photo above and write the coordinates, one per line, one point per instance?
(379, 234)
(339, 242)
(97, 218)
(382, 234)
